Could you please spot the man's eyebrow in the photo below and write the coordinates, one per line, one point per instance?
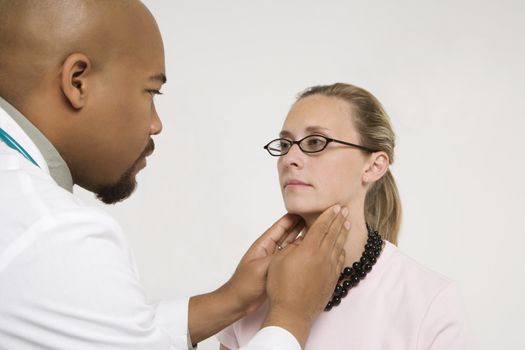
(159, 77)
(312, 128)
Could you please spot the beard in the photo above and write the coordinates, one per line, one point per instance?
(126, 185)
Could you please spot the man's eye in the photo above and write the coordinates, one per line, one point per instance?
(154, 92)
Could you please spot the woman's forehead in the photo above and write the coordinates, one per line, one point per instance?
(321, 114)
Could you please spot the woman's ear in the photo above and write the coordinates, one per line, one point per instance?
(376, 166)
(74, 80)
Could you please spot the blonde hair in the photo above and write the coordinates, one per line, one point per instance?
(382, 203)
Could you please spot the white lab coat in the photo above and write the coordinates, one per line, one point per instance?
(68, 279)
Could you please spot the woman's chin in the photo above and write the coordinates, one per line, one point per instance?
(303, 211)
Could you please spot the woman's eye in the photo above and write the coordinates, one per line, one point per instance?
(284, 145)
(315, 142)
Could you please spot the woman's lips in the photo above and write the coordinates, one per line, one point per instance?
(296, 184)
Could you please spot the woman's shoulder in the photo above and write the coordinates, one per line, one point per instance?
(412, 273)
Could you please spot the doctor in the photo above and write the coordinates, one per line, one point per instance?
(77, 81)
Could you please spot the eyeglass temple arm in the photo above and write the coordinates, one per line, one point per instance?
(352, 145)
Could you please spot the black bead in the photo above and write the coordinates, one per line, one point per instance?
(350, 276)
(354, 280)
(328, 306)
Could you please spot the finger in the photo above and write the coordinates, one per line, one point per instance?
(335, 228)
(292, 235)
(341, 239)
(283, 251)
(343, 235)
(341, 261)
(320, 227)
(268, 240)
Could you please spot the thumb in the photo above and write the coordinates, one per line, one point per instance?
(268, 241)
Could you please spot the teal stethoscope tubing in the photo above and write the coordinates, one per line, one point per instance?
(11, 142)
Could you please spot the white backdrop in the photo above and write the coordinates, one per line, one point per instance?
(450, 74)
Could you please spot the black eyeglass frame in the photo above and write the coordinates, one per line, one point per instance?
(328, 140)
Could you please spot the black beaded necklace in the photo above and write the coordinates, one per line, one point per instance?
(351, 276)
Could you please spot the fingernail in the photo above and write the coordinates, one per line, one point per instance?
(347, 225)
(345, 212)
(337, 209)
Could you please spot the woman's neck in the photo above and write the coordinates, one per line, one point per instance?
(355, 244)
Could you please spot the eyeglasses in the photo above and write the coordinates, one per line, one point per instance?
(308, 144)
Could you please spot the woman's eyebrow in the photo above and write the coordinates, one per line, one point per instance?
(316, 128)
(312, 128)
(285, 133)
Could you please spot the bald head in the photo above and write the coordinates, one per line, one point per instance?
(36, 36)
(85, 72)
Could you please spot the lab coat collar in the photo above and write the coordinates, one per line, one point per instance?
(45, 154)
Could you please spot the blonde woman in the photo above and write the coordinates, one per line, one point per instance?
(336, 146)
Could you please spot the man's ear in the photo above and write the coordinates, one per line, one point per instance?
(376, 166)
(75, 70)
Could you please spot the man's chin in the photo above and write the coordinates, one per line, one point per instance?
(122, 189)
(119, 191)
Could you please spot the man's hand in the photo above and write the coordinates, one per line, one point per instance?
(248, 283)
(302, 277)
(246, 289)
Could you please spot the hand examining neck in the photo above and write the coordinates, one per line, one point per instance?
(245, 291)
(357, 237)
(311, 266)
(314, 263)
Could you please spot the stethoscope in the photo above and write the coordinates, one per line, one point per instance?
(11, 142)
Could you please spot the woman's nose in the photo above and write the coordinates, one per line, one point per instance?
(294, 157)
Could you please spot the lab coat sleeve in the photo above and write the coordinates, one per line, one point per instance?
(70, 282)
(172, 317)
(268, 338)
(228, 338)
(273, 338)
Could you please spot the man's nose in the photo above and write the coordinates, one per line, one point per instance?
(156, 123)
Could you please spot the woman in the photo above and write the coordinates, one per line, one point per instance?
(336, 147)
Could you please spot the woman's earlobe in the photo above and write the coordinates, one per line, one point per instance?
(74, 79)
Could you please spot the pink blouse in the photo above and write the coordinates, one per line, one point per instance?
(399, 305)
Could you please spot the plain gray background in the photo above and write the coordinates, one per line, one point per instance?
(451, 76)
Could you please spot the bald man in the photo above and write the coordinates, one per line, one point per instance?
(77, 81)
